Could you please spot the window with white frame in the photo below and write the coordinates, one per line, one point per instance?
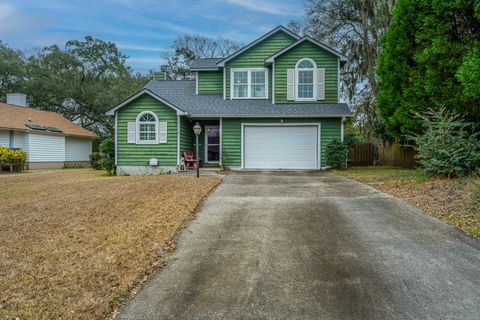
(249, 83)
(147, 128)
(305, 79)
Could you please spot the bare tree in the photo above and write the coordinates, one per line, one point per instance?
(187, 48)
(354, 27)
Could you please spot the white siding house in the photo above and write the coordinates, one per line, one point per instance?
(50, 140)
(46, 148)
(77, 149)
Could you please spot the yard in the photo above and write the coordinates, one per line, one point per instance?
(74, 243)
(456, 201)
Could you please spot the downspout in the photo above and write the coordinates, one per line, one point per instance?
(178, 139)
(116, 140)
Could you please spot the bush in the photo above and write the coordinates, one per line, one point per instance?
(107, 156)
(95, 161)
(337, 153)
(448, 147)
(14, 157)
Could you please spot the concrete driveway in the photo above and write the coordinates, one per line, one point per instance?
(310, 245)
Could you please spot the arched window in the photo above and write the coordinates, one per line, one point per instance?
(305, 79)
(147, 128)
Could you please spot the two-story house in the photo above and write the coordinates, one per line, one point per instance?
(274, 104)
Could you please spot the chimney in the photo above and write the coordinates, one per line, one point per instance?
(17, 99)
(159, 75)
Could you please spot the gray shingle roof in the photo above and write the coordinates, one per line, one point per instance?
(205, 64)
(182, 95)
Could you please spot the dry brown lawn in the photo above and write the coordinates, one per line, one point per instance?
(456, 201)
(74, 243)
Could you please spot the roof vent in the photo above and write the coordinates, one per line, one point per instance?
(17, 99)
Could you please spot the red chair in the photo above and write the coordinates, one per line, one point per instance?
(190, 160)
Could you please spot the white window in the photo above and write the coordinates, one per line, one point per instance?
(249, 83)
(305, 71)
(147, 128)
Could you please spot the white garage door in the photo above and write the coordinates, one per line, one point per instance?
(281, 147)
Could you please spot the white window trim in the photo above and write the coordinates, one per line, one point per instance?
(137, 134)
(314, 98)
(249, 83)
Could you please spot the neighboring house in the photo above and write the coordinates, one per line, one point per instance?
(274, 104)
(50, 140)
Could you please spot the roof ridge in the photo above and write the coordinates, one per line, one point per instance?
(31, 108)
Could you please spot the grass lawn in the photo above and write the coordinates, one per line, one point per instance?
(456, 201)
(74, 243)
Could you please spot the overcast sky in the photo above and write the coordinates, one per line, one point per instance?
(140, 28)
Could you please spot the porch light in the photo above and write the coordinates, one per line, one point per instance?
(197, 129)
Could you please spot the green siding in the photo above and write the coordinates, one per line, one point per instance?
(139, 154)
(231, 135)
(210, 82)
(322, 58)
(186, 135)
(256, 55)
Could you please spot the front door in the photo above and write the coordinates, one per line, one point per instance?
(212, 144)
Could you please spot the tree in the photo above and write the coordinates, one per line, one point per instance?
(107, 156)
(355, 28)
(447, 147)
(81, 82)
(12, 71)
(429, 60)
(187, 48)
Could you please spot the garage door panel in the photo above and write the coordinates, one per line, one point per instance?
(281, 147)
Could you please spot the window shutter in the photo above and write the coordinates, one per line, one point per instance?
(321, 84)
(290, 84)
(162, 132)
(131, 132)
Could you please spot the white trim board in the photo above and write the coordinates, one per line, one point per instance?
(247, 124)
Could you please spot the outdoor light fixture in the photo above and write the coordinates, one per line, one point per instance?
(197, 129)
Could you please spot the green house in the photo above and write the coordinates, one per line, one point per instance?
(274, 104)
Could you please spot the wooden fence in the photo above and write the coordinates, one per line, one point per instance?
(397, 155)
(361, 154)
(386, 154)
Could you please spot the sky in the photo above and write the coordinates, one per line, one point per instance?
(142, 29)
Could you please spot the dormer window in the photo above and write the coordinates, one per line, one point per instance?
(305, 79)
(249, 83)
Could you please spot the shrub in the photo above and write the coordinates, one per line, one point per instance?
(14, 157)
(95, 160)
(107, 156)
(337, 153)
(448, 147)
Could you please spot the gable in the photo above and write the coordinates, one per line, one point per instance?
(321, 57)
(139, 94)
(255, 56)
(302, 41)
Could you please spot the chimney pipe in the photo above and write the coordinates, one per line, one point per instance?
(17, 99)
